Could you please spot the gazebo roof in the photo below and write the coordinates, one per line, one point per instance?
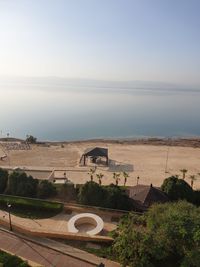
(96, 152)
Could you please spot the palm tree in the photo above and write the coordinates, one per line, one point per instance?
(99, 177)
(126, 175)
(192, 178)
(91, 174)
(116, 177)
(184, 171)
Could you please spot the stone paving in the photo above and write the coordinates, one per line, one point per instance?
(49, 253)
(58, 222)
(43, 256)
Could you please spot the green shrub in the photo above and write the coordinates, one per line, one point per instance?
(177, 189)
(66, 191)
(196, 198)
(167, 235)
(31, 139)
(111, 196)
(46, 189)
(3, 180)
(117, 198)
(9, 260)
(92, 193)
(22, 185)
(30, 203)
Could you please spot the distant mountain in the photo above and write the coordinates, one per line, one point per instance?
(62, 83)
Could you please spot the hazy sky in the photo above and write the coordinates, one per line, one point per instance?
(153, 40)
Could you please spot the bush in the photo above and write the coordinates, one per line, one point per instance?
(9, 260)
(196, 198)
(91, 193)
(66, 192)
(31, 139)
(46, 189)
(111, 196)
(177, 189)
(167, 235)
(29, 203)
(116, 198)
(3, 180)
(22, 185)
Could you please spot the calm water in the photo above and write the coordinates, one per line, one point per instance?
(80, 113)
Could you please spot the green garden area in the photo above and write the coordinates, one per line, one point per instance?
(30, 208)
(166, 235)
(8, 260)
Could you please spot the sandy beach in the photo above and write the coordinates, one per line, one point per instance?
(144, 158)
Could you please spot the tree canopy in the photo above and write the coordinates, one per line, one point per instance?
(20, 184)
(3, 180)
(91, 193)
(177, 189)
(111, 196)
(31, 139)
(168, 235)
(46, 189)
(116, 198)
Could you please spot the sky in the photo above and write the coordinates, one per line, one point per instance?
(118, 40)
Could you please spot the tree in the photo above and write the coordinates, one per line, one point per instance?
(126, 175)
(192, 178)
(99, 177)
(91, 173)
(177, 189)
(67, 192)
(184, 171)
(20, 184)
(91, 193)
(31, 139)
(3, 180)
(46, 189)
(9, 260)
(116, 198)
(196, 197)
(111, 196)
(116, 177)
(167, 235)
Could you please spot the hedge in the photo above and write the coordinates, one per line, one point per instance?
(9, 260)
(30, 203)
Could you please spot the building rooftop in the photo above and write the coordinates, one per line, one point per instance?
(146, 195)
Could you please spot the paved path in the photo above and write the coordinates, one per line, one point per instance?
(49, 253)
(58, 222)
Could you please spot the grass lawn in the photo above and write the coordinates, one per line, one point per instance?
(29, 207)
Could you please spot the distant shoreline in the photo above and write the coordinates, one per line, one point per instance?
(179, 141)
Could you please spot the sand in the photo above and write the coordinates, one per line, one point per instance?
(148, 161)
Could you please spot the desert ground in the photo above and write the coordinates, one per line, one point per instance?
(152, 163)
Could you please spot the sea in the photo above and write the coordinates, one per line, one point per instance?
(61, 113)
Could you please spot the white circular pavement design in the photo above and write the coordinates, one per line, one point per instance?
(86, 218)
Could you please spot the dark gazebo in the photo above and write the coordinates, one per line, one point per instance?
(94, 154)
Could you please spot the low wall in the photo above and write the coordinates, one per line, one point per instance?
(54, 234)
(97, 210)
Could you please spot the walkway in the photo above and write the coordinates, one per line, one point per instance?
(49, 253)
